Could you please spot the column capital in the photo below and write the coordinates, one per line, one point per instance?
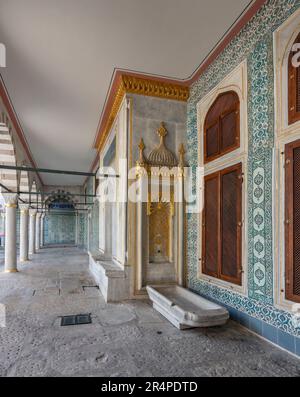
(39, 214)
(32, 212)
(24, 208)
(10, 199)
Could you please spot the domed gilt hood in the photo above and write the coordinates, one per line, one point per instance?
(161, 156)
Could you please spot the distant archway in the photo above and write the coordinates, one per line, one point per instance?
(60, 226)
(7, 156)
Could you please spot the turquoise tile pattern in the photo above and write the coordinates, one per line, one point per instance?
(253, 43)
(60, 229)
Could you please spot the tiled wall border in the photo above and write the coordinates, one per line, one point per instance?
(253, 43)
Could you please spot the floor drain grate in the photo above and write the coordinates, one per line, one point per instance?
(84, 287)
(78, 319)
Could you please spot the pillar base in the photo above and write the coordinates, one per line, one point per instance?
(24, 260)
(11, 271)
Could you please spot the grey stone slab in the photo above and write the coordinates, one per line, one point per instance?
(128, 339)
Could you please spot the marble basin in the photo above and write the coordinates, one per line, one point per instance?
(184, 309)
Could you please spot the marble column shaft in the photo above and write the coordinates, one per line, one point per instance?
(10, 262)
(38, 232)
(181, 234)
(2, 215)
(42, 230)
(32, 222)
(24, 232)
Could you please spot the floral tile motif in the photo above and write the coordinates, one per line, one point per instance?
(59, 229)
(261, 142)
(260, 261)
(253, 43)
(82, 230)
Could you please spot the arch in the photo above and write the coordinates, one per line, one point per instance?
(60, 196)
(33, 190)
(7, 155)
(24, 186)
(222, 126)
(39, 199)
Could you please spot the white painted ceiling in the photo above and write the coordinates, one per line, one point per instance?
(61, 55)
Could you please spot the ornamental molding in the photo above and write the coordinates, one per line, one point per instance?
(10, 199)
(161, 161)
(141, 86)
(160, 89)
(32, 212)
(161, 156)
(24, 208)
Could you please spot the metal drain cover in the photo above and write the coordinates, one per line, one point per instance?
(78, 319)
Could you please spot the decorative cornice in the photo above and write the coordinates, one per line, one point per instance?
(140, 86)
(10, 205)
(113, 113)
(154, 88)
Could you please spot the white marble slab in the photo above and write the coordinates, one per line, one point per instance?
(113, 281)
(184, 309)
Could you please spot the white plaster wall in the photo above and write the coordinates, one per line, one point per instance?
(112, 216)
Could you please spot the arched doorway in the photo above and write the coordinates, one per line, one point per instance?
(60, 219)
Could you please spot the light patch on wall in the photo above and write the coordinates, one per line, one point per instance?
(2, 56)
(2, 316)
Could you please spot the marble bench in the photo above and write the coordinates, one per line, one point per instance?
(184, 309)
(113, 281)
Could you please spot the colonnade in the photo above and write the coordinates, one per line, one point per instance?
(31, 232)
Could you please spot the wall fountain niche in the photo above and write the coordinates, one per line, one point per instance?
(161, 249)
(160, 254)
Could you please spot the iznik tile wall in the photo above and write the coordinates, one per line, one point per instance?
(254, 43)
(60, 229)
(82, 230)
(93, 220)
(94, 237)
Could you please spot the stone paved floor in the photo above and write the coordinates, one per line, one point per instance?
(128, 339)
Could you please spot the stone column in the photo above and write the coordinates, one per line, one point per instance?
(76, 229)
(38, 232)
(181, 234)
(32, 221)
(141, 226)
(10, 263)
(181, 218)
(2, 228)
(89, 237)
(42, 230)
(24, 236)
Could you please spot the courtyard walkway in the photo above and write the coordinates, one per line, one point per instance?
(128, 339)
